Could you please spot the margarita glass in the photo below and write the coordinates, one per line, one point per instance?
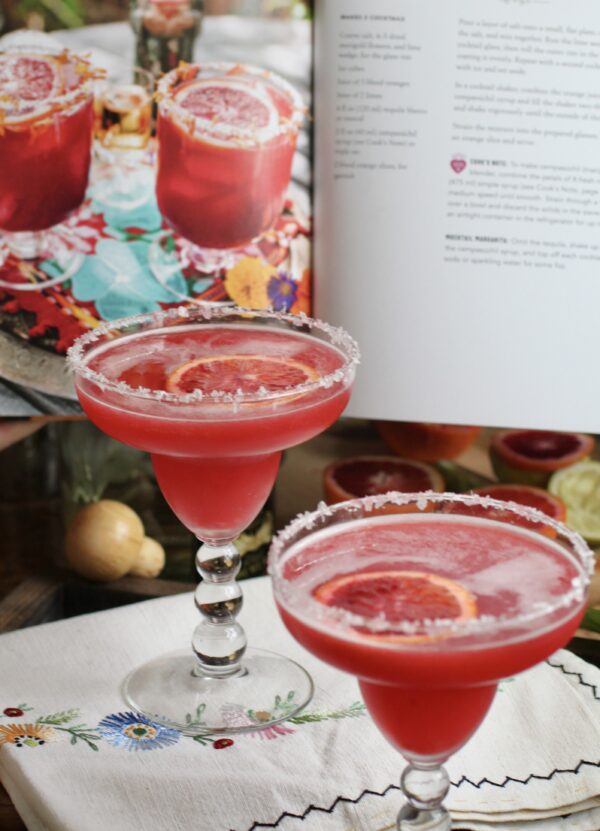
(215, 394)
(430, 607)
(226, 139)
(46, 119)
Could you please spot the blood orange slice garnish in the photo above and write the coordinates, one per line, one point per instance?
(527, 495)
(398, 597)
(228, 103)
(233, 374)
(29, 79)
(359, 476)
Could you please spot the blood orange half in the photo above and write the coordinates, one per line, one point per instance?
(28, 80)
(372, 475)
(527, 495)
(530, 457)
(426, 442)
(229, 103)
(239, 373)
(398, 597)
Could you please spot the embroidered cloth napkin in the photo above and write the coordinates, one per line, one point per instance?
(70, 760)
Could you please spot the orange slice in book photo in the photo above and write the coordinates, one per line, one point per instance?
(358, 476)
(427, 442)
(527, 495)
(28, 79)
(530, 457)
(398, 597)
(240, 373)
(236, 104)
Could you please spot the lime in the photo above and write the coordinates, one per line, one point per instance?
(579, 487)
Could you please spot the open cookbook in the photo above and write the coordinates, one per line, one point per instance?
(425, 175)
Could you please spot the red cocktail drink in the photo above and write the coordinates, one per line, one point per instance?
(46, 123)
(227, 136)
(216, 463)
(214, 395)
(430, 610)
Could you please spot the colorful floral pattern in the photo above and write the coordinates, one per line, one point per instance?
(134, 731)
(116, 233)
(117, 279)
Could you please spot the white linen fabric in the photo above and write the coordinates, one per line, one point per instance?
(68, 760)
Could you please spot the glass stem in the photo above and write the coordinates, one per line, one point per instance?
(219, 641)
(424, 786)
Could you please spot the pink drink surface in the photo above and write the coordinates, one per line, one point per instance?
(428, 697)
(215, 463)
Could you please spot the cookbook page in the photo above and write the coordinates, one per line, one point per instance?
(457, 183)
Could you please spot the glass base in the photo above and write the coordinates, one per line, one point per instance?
(268, 690)
(39, 245)
(414, 819)
(123, 184)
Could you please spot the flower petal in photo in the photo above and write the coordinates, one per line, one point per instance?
(133, 731)
(282, 290)
(118, 279)
(246, 283)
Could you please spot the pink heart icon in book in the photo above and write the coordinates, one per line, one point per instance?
(458, 164)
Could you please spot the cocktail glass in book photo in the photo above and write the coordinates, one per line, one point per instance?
(130, 189)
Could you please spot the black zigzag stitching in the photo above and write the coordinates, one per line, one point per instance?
(464, 780)
(330, 810)
(577, 675)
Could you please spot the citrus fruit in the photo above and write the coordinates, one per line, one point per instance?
(398, 597)
(103, 540)
(579, 487)
(372, 475)
(235, 373)
(527, 495)
(530, 457)
(228, 102)
(28, 79)
(426, 442)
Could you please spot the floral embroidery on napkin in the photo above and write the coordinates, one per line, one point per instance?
(134, 731)
(26, 735)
